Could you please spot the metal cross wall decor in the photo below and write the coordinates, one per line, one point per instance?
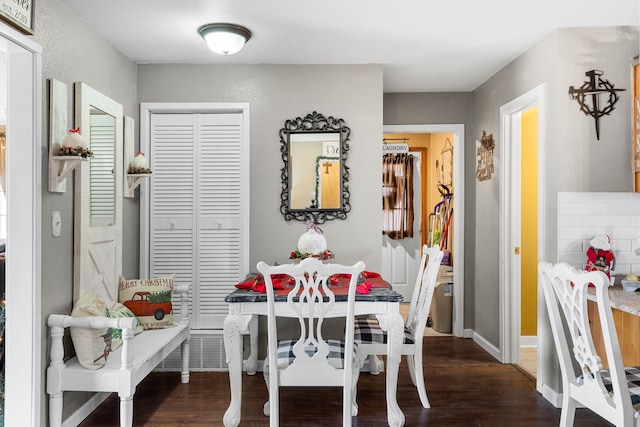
(589, 97)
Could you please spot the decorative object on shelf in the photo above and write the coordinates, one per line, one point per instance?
(73, 139)
(485, 156)
(589, 95)
(59, 166)
(136, 168)
(73, 145)
(139, 164)
(312, 243)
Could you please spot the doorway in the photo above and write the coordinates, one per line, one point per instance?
(458, 208)
(23, 364)
(401, 258)
(516, 203)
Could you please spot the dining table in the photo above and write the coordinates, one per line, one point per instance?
(374, 297)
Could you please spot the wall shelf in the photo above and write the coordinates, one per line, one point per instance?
(60, 167)
(133, 181)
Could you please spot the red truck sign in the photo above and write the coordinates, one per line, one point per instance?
(140, 305)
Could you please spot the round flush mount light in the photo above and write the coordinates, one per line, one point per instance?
(224, 38)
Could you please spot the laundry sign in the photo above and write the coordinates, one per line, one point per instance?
(395, 148)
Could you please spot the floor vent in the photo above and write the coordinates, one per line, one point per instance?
(206, 353)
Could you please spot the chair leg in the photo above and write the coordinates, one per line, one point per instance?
(418, 373)
(376, 365)
(184, 377)
(354, 392)
(55, 410)
(266, 408)
(568, 410)
(412, 370)
(126, 411)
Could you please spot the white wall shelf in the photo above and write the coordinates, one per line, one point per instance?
(133, 181)
(59, 168)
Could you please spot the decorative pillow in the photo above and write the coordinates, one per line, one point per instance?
(149, 299)
(94, 345)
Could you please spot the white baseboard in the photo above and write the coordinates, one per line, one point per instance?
(486, 345)
(85, 410)
(529, 341)
(467, 333)
(552, 396)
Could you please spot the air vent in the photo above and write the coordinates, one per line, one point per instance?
(206, 353)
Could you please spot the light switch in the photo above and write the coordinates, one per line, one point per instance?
(56, 224)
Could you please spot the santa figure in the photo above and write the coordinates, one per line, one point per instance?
(600, 256)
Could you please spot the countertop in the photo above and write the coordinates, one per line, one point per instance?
(621, 299)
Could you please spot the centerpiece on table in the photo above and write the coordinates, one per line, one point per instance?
(312, 243)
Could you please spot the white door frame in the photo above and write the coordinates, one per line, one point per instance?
(23, 363)
(458, 210)
(510, 128)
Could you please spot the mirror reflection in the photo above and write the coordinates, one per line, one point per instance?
(316, 187)
(102, 141)
(315, 176)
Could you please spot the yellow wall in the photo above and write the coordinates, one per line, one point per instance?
(529, 223)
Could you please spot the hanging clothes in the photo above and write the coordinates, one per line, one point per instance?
(397, 196)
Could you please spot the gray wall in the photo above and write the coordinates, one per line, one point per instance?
(445, 108)
(72, 52)
(573, 159)
(277, 93)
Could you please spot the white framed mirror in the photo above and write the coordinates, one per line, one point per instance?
(98, 195)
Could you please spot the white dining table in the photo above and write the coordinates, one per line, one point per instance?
(246, 305)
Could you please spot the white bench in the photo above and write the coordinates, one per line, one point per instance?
(125, 368)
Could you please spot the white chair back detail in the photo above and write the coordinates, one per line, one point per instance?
(565, 290)
(372, 339)
(311, 300)
(423, 290)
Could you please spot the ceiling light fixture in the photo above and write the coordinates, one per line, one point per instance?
(223, 38)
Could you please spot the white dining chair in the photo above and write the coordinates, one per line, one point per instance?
(611, 393)
(311, 359)
(372, 340)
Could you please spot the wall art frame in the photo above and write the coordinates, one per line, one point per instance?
(19, 14)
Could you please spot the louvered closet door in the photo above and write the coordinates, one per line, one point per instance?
(195, 207)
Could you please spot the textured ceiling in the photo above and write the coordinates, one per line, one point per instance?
(424, 45)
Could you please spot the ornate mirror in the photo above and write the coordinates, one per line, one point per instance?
(98, 195)
(315, 176)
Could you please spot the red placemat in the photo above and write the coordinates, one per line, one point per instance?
(339, 283)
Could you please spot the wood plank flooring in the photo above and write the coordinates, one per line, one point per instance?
(466, 387)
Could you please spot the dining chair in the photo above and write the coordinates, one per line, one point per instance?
(311, 359)
(612, 393)
(372, 340)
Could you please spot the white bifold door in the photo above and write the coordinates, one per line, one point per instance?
(198, 207)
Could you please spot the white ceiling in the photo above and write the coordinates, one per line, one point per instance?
(424, 45)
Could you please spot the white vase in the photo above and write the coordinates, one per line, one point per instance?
(139, 161)
(312, 242)
(73, 139)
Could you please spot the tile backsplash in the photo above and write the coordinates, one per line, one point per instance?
(581, 216)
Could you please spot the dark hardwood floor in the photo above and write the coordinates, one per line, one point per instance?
(466, 387)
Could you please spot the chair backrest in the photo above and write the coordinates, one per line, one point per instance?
(565, 290)
(311, 299)
(423, 289)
